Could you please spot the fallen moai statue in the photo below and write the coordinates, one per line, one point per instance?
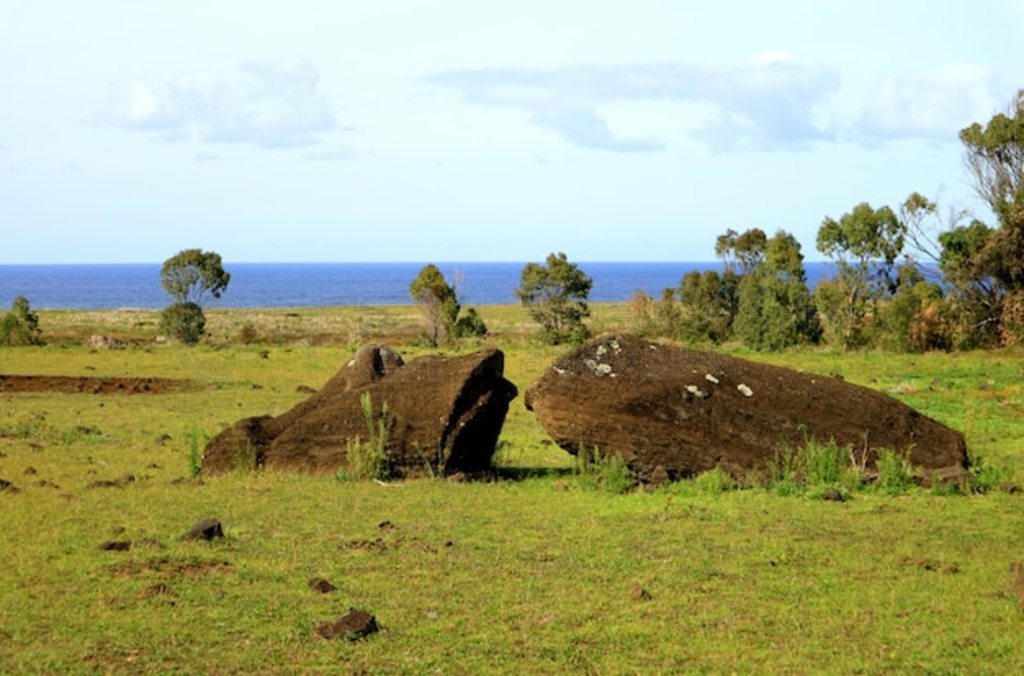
(672, 412)
(443, 415)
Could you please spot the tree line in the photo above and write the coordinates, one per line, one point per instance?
(906, 279)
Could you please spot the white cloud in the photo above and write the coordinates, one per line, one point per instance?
(336, 155)
(932, 105)
(274, 104)
(769, 101)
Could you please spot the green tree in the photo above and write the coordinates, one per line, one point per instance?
(555, 295)
(708, 302)
(995, 158)
(741, 252)
(864, 243)
(912, 320)
(20, 326)
(190, 277)
(775, 308)
(982, 265)
(437, 301)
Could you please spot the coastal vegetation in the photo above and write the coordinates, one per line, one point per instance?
(555, 295)
(438, 302)
(20, 326)
(190, 276)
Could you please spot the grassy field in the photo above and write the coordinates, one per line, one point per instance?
(531, 573)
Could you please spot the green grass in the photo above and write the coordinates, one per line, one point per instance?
(526, 575)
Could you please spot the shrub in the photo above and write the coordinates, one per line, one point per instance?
(184, 322)
(20, 326)
(247, 334)
(469, 325)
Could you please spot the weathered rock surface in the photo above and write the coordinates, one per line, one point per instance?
(205, 529)
(446, 414)
(353, 625)
(667, 409)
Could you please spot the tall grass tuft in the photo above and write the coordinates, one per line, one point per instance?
(195, 442)
(605, 473)
(813, 468)
(895, 473)
(368, 459)
(714, 482)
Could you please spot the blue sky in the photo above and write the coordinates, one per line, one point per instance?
(457, 131)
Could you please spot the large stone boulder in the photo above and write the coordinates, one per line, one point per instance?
(445, 416)
(677, 412)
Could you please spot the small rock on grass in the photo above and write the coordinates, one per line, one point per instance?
(207, 529)
(353, 625)
(120, 481)
(638, 593)
(832, 495)
(116, 545)
(321, 586)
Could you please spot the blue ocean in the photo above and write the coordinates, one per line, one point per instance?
(266, 285)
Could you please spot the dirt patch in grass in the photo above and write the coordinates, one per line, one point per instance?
(89, 385)
(168, 568)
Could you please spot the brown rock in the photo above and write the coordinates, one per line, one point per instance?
(7, 487)
(638, 593)
(321, 586)
(116, 546)
(446, 414)
(353, 625)
(207, 529)
(119, 482)
(689, 411)
(832, 495)
(658, 476)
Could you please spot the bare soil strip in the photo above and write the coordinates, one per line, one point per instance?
(92, 385)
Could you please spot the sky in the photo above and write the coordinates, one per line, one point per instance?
(405, 130)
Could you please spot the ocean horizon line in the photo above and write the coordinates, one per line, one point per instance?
(98, 286)
(405, 262)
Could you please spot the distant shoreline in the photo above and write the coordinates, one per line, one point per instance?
(284, 285)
